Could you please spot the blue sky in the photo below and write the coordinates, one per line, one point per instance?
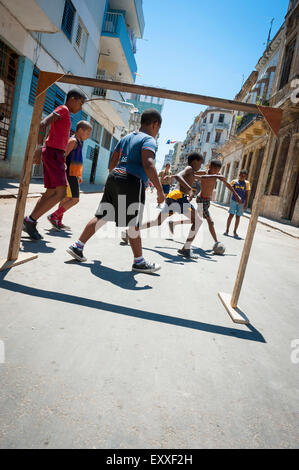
(201, 47)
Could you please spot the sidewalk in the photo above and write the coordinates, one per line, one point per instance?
(10, 187)
(281, 226)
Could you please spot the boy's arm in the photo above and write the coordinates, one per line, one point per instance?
(180, 177)
(114, 160)
(41, 136)
(229, 186)
(71, 145)
(148, 162)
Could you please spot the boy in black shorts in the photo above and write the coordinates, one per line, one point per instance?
(131, 165)
(74, 164)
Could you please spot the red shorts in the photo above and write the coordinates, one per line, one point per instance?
(54, 167)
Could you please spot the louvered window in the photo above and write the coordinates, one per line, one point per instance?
(68, 19)
(55, 96)
(81, 39)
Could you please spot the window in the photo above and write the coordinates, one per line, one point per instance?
(68, 19)
(218, 136)
(286, 69)
(55, 96)
(106, 140)
(208, 137)
(211, 118)
(81, 39)
(205, 120)
(221, 118)
(75, 118)
(96, 130)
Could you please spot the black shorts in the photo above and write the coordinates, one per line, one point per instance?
(73, 188)
(123, 200)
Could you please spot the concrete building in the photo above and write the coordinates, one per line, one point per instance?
(82, 37)
(209, 131)
(168, 158)
(275, 81)
(177, 151)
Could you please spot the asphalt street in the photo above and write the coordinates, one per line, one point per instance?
(99, 357)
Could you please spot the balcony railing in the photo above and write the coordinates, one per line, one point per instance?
(245, 121)
(221, 125)
(115, 26)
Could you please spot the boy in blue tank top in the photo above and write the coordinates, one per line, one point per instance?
(132, 164)
(74, 169)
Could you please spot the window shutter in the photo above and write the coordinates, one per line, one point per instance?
(68, 19)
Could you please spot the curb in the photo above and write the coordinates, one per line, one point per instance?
(261, 222)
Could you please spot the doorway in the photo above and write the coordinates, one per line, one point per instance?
(95, 156)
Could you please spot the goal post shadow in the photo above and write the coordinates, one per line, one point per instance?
(272, 116)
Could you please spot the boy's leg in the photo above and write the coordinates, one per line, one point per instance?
(229, 220)
(236, 225)
(139, 264)
(48, 200)
(153, 223)
(212, 229)
(196, 221)
(76, 249)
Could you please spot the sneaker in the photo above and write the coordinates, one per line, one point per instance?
(226, 234)
(30, 228)
(188, 253)
(146, 267)
(54, 222)
(125, 237)
(237, 236)
(170, 224)
(76, 253)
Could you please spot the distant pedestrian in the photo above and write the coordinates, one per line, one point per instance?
(53, 158)
(131, 165)
(74, 163)
(242, 188)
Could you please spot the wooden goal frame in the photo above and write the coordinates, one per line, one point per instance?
(272, 116)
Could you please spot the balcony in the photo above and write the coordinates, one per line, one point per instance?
(134, 14)
(221, 125)
(31, 15)
(251, 125)
(118, 45)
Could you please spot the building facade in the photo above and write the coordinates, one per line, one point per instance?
(79, 37)
(209, 131)
(276, 82)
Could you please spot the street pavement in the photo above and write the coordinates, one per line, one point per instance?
(99, 357)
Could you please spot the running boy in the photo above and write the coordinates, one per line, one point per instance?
(203, 199)
(131, 165)
(74, 163)
(242, 188)
(53, 158)
(178, 201)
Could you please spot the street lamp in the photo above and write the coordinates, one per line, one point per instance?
(123, 103)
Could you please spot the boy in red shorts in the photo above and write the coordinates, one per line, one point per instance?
(74, 164)
(53, 158)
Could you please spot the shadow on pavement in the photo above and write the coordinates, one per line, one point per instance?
(251, 335)
(58, 233)
(38, 246)
(123, 279)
